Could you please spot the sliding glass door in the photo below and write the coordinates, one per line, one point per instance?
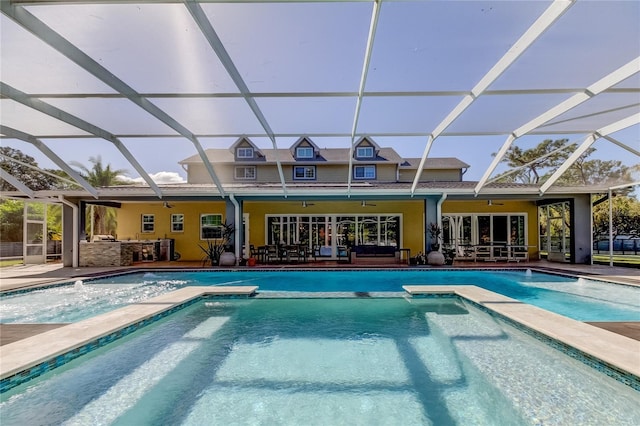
(460, 232)
(325, 233)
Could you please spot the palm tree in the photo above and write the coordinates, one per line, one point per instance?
(103, 219)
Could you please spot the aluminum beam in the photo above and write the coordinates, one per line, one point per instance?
(612, 128)
(69, 50)
(544, 21)
(396, 94)
(17, 134)
(622, 145)
(39, 170)
(79, 123)
(216, 44)
(514, 170)
(598, 87)
(16, 183)
(375, 14)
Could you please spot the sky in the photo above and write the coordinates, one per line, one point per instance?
(284, 48)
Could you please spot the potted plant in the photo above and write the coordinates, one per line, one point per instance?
(435, 257)
(435, 231)
(219, 251)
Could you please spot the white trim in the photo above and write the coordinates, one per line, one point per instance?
(365, 149)
(305, 149)
(244, 177)
(365, 168)
(172, 222)
(304, 174)
(152, 216)
(202, 215)
(244, 152)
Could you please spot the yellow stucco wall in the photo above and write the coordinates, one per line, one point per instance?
(186, 243)
(506, 207)
(411, 211)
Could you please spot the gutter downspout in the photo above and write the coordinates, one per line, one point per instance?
(76, 246)
(237, 223)
(439, 218)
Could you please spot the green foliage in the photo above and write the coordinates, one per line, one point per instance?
(8, 263)
(11, 221)
(435, 231)
(104, 218)
(542, 160)
(548, 154)
(216, 247)
(539, 162)
(625, 217)
(591, 172)
(99, 175)
(54, 222)
(11, 225)
(31, 178)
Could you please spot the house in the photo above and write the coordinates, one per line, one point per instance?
(354, 198)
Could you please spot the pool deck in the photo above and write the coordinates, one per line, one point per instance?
(26, 345)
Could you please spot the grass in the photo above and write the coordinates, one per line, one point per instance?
(12, 262)
(618, 260)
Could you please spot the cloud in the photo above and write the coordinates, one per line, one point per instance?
(159, 178)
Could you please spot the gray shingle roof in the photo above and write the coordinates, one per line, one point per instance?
(435, 163)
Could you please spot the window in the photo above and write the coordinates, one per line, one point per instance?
(246, 172)
(177, 223)
(148, 222)
(304, 172)
(304, 152)
(244, 152)
(210, 226)
(364, 152)
(364, 172)
(330, 231)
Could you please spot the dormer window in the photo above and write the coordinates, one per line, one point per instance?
(304, 152)
(364, 152)
(244, 152)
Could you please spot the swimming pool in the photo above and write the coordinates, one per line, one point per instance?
(324, 361)
(580, 299)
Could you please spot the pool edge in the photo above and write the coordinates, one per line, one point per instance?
(608, 349)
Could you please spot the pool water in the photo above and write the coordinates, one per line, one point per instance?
(580, 299)
(320, 362)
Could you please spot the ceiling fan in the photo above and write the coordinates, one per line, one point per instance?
(365, 204)
(492, 203)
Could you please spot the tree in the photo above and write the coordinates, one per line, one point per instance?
(590, 172)
(542, 160)
(11, 227)
(12, 217)
(27, 175)
(625, 217)
(547, 154)
(104, 218)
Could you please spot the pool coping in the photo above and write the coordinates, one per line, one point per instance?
(18, 357)
(620, 352)
(33, 356)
